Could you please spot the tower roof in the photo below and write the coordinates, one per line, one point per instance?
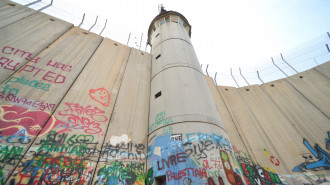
(164, 13)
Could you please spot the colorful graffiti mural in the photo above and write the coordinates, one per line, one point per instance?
(322, 158)
(22, 123)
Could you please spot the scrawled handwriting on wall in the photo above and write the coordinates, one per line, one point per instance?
(88, 118)
(160, 121)
(26, 102)
(43, 168)
(119, 172)
(122, 151)
(9, 64)
(78, 144)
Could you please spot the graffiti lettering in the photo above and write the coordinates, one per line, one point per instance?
(257, 175)
(81, 145)
(123, 151)
(323, 157)
(49, 76)
(173, 159)
(80, 117)
(8, 64)
(10, 154)
(31, 83)
(196, 172)
(61, 66)
(160, 121)
(40, 105)
(119, 172)
(17, 52)
(46, 169)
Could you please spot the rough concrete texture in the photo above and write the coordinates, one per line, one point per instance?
(76, 108)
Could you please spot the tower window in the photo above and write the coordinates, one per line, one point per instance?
(180, 21)
(157, 35)
(167, 19)
(162, 21)
(158, 56)
(158, 94)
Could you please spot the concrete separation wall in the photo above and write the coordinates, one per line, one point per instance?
(75, 108)
(283, 125)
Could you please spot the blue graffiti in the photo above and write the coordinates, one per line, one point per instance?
(327, 142)
(323, 157)
(23, 138)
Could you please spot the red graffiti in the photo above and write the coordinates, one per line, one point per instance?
(210, 181)
(14, 118)
(196, 172)
(220, 181)
(8, 64)
(80, 117)
(274, 160)
(100, 95)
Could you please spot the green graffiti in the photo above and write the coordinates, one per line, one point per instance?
(160, 121)
(224, 156)
(150, 176)
(9, 154)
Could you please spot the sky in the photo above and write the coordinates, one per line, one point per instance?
(225, 33)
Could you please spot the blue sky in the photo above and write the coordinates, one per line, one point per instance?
(225, 33)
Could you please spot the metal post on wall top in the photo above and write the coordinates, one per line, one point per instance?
(231, 73)
(278, 67)
(82, 21)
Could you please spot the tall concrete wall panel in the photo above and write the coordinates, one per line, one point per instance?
(314, 87)
(31, 94)
(287, 134)
(11, 12)
(124, 152)
(235, 132)
(254, 137)
(82, 120)
(23, 40)
(324, 69)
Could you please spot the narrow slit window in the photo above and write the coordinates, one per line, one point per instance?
(157, 35)
(158, 94)
(158, 57)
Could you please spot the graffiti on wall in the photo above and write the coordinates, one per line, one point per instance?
(123, 151)
(86, 118)
(160, 121)
(190, 160)
(43, 84)
(203, 158)
(319, 160)
(26, 102)
(100, 95)
(44, 168)
(78, 144)
(275, 161)
(21, 123)
(119, 172)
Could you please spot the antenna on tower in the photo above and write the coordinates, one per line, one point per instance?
(161, 8)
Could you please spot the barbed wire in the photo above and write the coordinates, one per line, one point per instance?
(301, 58)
